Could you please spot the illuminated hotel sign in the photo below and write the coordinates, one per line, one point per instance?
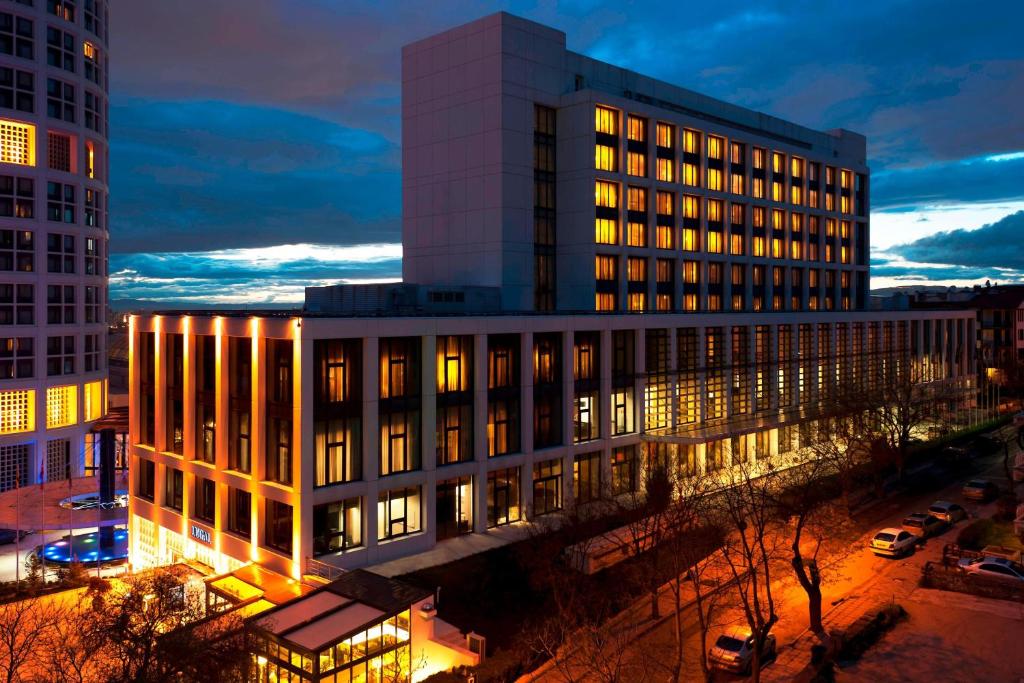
(200, 534)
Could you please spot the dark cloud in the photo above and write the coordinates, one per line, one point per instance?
(277, 121)
(996, 245)
(956, 182)
(194, 176)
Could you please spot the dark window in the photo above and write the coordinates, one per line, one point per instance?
(240, 512)
(174, 489)
(205, 505)
(337, 526)
(278, 526)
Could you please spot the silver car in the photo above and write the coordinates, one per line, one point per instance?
(948, 512)
(734, 650)
(998, 568)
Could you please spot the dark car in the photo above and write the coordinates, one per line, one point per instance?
(923, 525)
(981, 490)
(986, 445)
(8, 536)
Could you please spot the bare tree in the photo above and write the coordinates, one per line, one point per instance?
(150, 628)
(23, 627)
(818, 529)
(750, 549)
(691, 549)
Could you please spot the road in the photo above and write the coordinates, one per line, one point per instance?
(855, 581)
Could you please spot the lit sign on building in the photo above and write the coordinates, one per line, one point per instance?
(200, 534)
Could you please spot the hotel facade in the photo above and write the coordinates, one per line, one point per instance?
(53, 236)
(601, 271)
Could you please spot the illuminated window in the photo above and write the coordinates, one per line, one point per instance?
(636, 164)
(715, 181)
(606, 231)
(778, 162)
(757, 188)
(691, 174)
(92, 62)
(844, 254)
(663, 237)
(714, 242)
(606, 194)
(715, 211)
(736, 183)
(796, 193)
(664, 170)
(691, 272)
(665, 200)
(606, 120)
(665, 134)
(636, 269)
(691, 206)
(736, 244)
(17, 143)
(759, 157)
(637, 129)
(777, 190)
(637, 301)
(691, 241)
(604, 158)
(636, 235)
(714, 302)
(604, 302)
(90, 160)
(61, 406)
(690, 302)
(777, 244)
(17, 411)
(691, 141)
(663, 302)
(636, 199)
(93, 392)
(715, 147)
(604, 268)
(757, 246)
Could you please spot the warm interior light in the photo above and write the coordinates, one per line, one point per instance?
(17, 143)
(61, 406)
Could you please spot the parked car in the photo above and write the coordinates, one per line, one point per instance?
(957, 456)
(948, 512)
(923, 525)
(734, 650)
(998, 568)
(10, 535)
(986, 445)
(981, 490)
(893, 542)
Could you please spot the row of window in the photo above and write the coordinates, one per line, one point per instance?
(17, 38)
(17, 407)
(17, 304)
(779, 238)
(706, 165)
(17, 200)
(18, 356)
(791, 289)
(18, 253)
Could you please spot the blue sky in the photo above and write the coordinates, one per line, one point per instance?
(256, 151)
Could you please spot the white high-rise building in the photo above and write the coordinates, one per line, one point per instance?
(53, 235)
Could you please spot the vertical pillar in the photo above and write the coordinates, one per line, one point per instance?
(371, 437)
(480, 432)
(428, 436)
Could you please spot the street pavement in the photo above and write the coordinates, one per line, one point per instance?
(858, 582)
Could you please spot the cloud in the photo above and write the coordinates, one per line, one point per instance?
(273, 275)
(992, 246)
(978, 179)
(207, 175)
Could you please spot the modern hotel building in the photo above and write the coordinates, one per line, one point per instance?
(53, 236)
(600, 269)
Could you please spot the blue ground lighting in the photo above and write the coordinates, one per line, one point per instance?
(86, 549)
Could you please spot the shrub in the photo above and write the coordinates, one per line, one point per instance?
(974, 535)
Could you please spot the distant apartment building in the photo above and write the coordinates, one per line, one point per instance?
(602, 272)
(53, 236)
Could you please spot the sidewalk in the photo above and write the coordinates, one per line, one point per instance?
(900, 584)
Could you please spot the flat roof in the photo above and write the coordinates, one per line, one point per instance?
(351, 618)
